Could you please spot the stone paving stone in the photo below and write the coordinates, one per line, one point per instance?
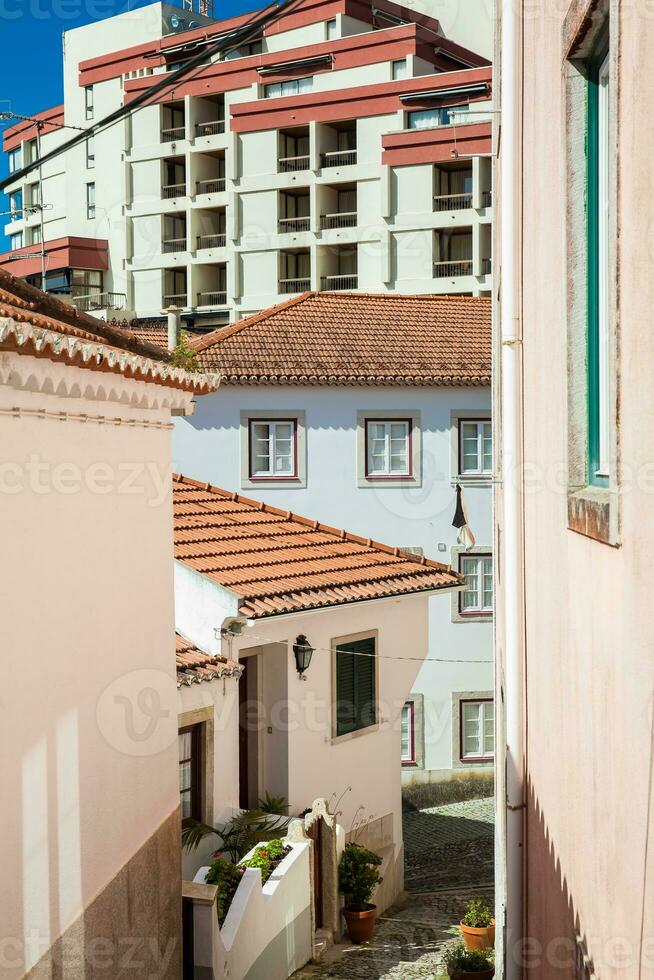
(449, 859)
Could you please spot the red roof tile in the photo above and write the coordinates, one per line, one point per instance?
(356, 338)
(36, 323)
(277, 562)
(195, 666)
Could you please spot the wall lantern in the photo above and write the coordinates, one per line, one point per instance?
(303, 652)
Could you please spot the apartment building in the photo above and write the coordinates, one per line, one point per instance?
(338, 146)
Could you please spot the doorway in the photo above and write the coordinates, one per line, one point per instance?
(248, 734)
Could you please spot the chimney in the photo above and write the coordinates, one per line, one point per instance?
(174, 327)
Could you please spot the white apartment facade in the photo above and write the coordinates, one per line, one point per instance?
(344, 147)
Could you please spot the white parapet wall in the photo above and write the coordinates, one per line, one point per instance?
(267, 933)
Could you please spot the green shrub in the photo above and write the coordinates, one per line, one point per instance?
(458, 959)
(185, 355)
(425, 795)
(228, 877)
(358, 876)
(479, 914)
(266, 857)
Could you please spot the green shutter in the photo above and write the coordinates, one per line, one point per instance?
(355, 686)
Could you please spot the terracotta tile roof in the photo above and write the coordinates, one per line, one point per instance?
(36, 323)
(152, 332)
(195, 666)
(277, 562)
(356, 338)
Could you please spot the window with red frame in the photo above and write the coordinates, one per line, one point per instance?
(388, 448)
(273, 449)
(408, 729)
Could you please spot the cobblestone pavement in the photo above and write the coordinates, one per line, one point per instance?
(449, 859)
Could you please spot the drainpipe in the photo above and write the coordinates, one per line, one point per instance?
(512, 526)
(174, 326)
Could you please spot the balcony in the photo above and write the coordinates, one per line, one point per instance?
(487, 199)
(446, 270)
(173, 245)
(452, 202)
(338, 158)
(173, 299)
(486, 267)
(212, 299)
(341, 219)
(287, 165)
(169, 191)
(339, 282)
(286, 225)
(212, 241)
(215, 186)
(173, 134)
(294, 285)
(99, 301)
(210, 128)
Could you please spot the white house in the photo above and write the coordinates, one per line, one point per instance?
(88, 756)
(367, 411)
(261, 586)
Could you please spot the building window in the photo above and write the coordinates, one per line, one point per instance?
(273, 449)
(408, 734)
(34, 235)
(330, 29)
(477, 734)
(33, 150)
(16, 205)
(90, 153)
(356, 707)
(477, 597)
(598, 157)
(428, 118)
(86, 282)
(294, 86)
(90, 201)
(16, 241)
(33, 194)
(398, 69)
(88, 101)
(388, 447)
(190, 772)
(15, 160)
(475, 447)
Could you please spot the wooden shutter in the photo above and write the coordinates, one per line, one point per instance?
(355, 685)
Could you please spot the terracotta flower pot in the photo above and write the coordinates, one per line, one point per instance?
(361, 925)
(477, 975)
(478, 938)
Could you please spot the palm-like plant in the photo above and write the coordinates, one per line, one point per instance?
(245, 829)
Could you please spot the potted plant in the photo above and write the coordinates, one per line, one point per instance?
(462, 963)
(478, 925)
(357, 879)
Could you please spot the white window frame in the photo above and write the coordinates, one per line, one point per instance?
(387, 472)
(89, 105)
(399, 69)
(273, 426)
(253, 481)
(480, 470)
(390, 480)
(16, 210)
(90, 201)
(603, 198)
(331, 28)
(35, 235)
(15, 159)
(16, 241)
(483, 562)
(90, 153)
(485, 708)
(292, 86)
(408, 711)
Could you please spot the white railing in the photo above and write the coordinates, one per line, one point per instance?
(291, 164)
(212, 241)
(173, 190)
(173, 134)
(173, 299)
(212, 299)
(99, 301)
(210, 128)
(341, 219)
(443, 270)
(173, 245)
(214, 186)
(294, 285)
(294, 224)
(452, 202)
(340, 282)
(339, 158)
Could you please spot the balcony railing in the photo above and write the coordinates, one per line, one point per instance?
(215, 186)
(294, 285)
(212, 241)
(173, 299)
(444, 270)
(341, 219)
(173, 190)
(487, 198)
(452, 202)
(99, 301)
(289, 165)
(210, 128)
(173, 245)
(339, 282)
(212, 299)
(294, 224)
(338, 158)
(486, 267)
(173, 134)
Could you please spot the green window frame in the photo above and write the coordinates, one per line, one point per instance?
(356, 685)
(594, 271)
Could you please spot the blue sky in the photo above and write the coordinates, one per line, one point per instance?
(31, 33)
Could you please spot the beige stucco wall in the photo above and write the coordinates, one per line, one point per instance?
(590, 669)
(88, 712)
